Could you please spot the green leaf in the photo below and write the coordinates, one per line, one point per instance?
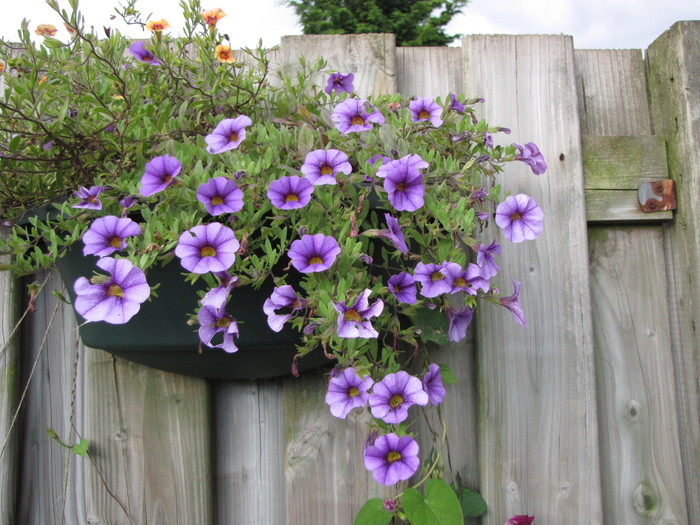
(447, 375)
(81, 448)
(373, 513)
(433, 325)
(472, 503)
(439, 507)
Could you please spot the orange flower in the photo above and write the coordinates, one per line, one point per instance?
(157, 25)
(42, 79)
(224, 54)
(46, 29)
(69, 29)
(212, 16)
(2, 67)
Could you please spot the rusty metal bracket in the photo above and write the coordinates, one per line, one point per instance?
(658, 195)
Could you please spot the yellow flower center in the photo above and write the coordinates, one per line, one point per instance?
(291, 198)
(395, 401)
(115, 242)
(424, 115)
(353, 391)
(115, 290)
(223, 323)
(461, 282)
(352, 315)
(357, 121)
(326, 170)
(216, 201)
(401, 186)
(393, 456)
(315, 260)
(233, 137)
(516, 216)
(436, 276)
(208, 251)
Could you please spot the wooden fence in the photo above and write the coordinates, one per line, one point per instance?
(589, 415)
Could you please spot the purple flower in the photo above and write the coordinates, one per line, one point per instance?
(425, 109)
(347, 391)
(520, 520)
(340, 83)
(459, 321)
(213, 321)
(113, 300)
(484, 259)
(520, 218)
(290, 193)
(321, 166)
(389, 505)
(403, 182)
(282, 297)
(394, 233)
(432, 384)
(138, 49)
(106, 235)
(353, 321)
(393, 395)
(313, 253)
(392, 458)
(48, 146)
(218, 296)
(207, 248)
(455, 104)
(228, 134)
(160, 173)
(220, 195)
(352, 116)
(469, 280)
(513, 304)
(432, 278)
(488, 139)
(530, 155)
(127, 202)
(88, 198)
(403, 286)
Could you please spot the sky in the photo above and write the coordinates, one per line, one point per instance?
(594, 24)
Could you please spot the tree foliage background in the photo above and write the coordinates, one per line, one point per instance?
(414, 22)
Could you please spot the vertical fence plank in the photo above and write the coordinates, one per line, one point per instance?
(429, 71)
(673, 73)
(538, 435)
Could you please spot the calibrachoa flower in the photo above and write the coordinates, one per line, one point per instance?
(220, 195)
(218, 296)
(113, 300)
(432, 384)
(228, 134)
(321, 166)
(290, 193)
(207, 248)
(313, 253)
(157, 25)
(106, 235)
(460, 280)
(403, 182)
(432, 278)
(88, 198)
(513, 304)
(223, 53)
(138, 49)
(339, 83)
(392, 458)
(426, 109)
(352, 116)
(394, 233)
(392, 396)
(403, 286)
(282, 297)
(213, 321)
(530, 155)
(347, 391)
(520, 520)
(46, 30)
(354, 321)
(459, 321)
(160, 173)
(484, 259)
(520, 218)
(455, 105)
(212, 16)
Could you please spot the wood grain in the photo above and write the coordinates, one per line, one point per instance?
(429, 71)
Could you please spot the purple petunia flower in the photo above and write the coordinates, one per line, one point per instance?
(339, 83)
(469, 280)
(347, 391)
(513, 304)
(220, 195)
(484, 259)
(160, 173)
(354, 321)
(455, 105)
(520, 218)
(530, 155)
(425, 109)
(376, 158)
(113, 300)
(321, 166)
(213, 321)
(392, 396)
(352, 116)
(138, 49)
(218, 296)
(106, 235)
(432, 278)
(228, 134)
(403, 182)
(313, 253)
(282, 297)
(459, 321)
(127, 202)
(488, 139)
(520, 520)
(88, 198)
(394, 233)
(207, 248)
(392, 458)
(432, 384)
(290, 193)
(403, 286)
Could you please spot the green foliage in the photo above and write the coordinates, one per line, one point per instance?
(413, 22)
(373, 513)
(439, 506)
